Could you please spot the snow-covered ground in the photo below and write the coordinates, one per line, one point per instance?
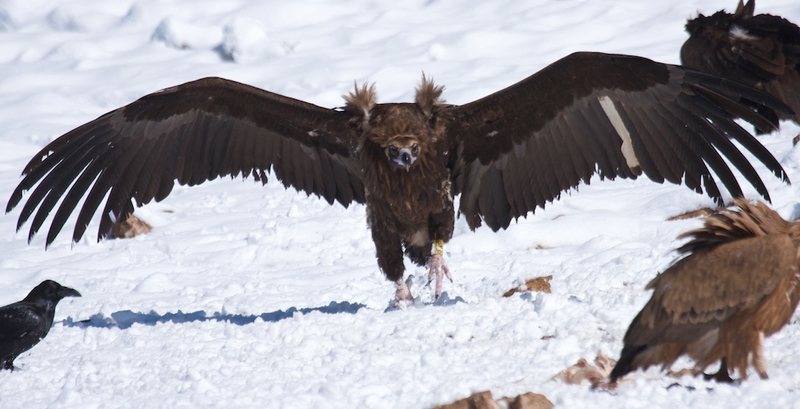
(250, 296)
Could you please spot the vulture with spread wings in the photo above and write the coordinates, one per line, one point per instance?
(759, 50)
(739, 282)
(505, 154)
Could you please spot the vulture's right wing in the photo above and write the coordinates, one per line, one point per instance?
(191, 133)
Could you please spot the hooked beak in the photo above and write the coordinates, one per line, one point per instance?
(405, 158)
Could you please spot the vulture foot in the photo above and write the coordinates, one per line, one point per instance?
(402, 296)
(722, 376)
(438, 269)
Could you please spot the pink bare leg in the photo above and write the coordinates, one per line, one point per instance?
(438, 269)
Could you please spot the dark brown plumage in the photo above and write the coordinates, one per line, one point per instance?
(24, 323)
(759, 50)
(737, 284)
(505, 154)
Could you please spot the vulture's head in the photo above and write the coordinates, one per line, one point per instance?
(403, 150)
(704, 34)
(404, 132)
(722, 20)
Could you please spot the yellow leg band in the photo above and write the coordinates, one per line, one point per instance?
(438, 247)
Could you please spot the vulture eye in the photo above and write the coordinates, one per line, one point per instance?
(415, 149)
(393, 151)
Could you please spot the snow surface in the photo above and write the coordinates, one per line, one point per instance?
(250, 296)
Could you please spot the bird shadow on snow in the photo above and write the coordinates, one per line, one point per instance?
(126, 319)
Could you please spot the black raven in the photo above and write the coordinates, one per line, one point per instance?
(23, 324)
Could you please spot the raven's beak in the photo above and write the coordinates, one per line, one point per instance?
(68, 292)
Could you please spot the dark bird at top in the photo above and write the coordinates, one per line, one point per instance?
(759, 50)
(24, 323)
(505, 154)
(738, 283)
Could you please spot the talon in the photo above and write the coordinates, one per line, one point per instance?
(402, 295)
(722, 376)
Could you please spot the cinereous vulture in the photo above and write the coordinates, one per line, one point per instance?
(759, 50)
(737, 284)
(505, 154)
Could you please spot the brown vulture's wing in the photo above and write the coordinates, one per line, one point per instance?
(592, 113)
(694, 296)
(712, 284)
(762, 49)
(191, 133)
(752, 219)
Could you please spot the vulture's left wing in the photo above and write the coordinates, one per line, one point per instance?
(614, 115)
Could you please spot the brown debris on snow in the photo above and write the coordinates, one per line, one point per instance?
(539, 284)
(597, 374)
(484, 400)
(529, 400)
(478, 400)
(130, 227)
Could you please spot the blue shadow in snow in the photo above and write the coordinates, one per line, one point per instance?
(444, 300)
(126, 319)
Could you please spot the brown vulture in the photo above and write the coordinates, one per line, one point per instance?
(504, 154)
(759, 50)
(737, 284)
